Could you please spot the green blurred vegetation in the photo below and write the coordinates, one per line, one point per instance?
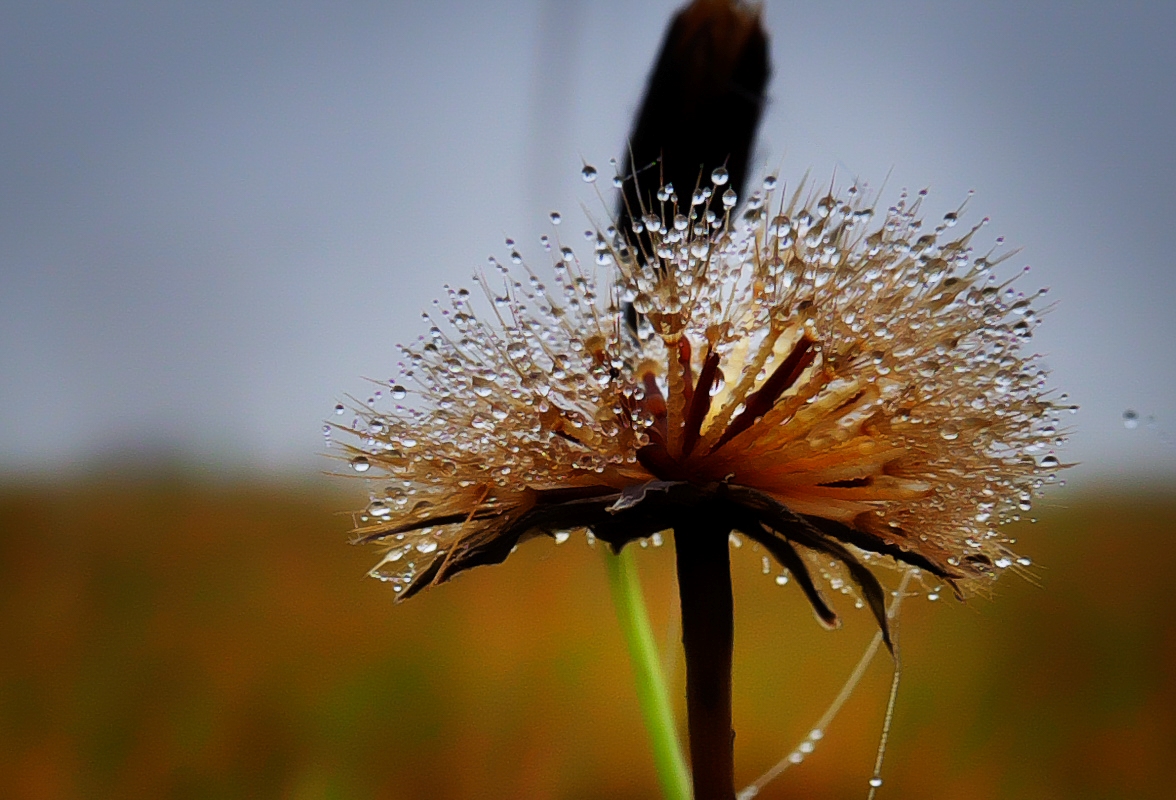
(183, 639)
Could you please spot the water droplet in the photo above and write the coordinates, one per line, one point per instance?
(720, 176)
(361, 464)
(875, 781)
(730, 198)
(769, 183)
(719, 384)
(1130, 419)
(1050, 461)
(398, 392)
(482, 387)
(561, 536)
(588, 173)
(949, 431)
(555, 217)
(340, 409)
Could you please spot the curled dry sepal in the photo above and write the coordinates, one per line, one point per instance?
(844, 387)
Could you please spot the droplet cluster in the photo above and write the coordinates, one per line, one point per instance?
(922, 419)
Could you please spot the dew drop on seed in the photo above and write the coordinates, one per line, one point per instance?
(720, 176)
(339, 409)
(360, 464)
(588, 173)
(555, 217)
(398, 392)
(875, 782)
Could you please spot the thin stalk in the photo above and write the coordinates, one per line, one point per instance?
(652, 694)
(817, 732)
(708, 637)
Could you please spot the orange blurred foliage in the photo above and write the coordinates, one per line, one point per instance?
(181, 639)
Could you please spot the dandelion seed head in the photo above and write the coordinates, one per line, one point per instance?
(859, 366)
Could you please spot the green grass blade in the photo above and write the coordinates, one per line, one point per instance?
(652, 693)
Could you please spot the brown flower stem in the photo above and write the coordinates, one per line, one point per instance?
(708, 634)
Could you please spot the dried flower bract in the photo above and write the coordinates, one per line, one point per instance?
(845, 387)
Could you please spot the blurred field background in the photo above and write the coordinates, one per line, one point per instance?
(216, 216)
(177, 637)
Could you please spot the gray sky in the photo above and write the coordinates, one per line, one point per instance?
(214, 219)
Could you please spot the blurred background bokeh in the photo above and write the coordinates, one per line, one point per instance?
(216, 217)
